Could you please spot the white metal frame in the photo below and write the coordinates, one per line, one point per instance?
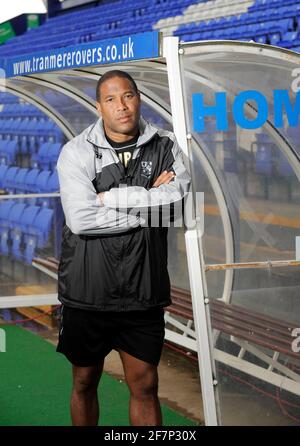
(274, 372)
(195, 267)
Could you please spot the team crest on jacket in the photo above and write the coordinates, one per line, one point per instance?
(146, 168)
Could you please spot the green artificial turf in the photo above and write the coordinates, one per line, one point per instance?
(35, 386)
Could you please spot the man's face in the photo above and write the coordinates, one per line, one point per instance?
(119, 106)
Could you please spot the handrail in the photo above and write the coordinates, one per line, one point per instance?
(251, 265)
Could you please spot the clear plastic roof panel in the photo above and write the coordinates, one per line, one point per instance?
(243, 107)
(69, 97)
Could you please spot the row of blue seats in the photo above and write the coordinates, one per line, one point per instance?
(276, 29)
(266, 162)
(265, 158)
(29, 136)
(21, 180)
(270, 161)
(95, 35)
(265, 4)
(109, 10)
(43, 151)
(237, 26)
(38, 126)
(290, 40)
(19, 110)
(264, 26)
(29, 127)
(94, 17)
(243, 19)
(74, 37)
(46, 157)
(8, 98)
(23, 229)
(51, 35)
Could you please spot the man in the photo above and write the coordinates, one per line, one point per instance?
(113, 280)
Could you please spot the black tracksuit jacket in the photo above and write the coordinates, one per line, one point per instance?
(112, 258)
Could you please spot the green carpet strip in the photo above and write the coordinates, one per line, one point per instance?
(35, 387)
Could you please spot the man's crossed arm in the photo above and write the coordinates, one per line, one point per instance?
(164, 178)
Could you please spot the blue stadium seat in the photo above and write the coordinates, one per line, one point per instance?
(53, 183)
(28, 217)
(290, 39)
(41, 226)
(30, 180)
(3, 170)
(5, 208)
(52, 156)
(9, 179)
(274, 38)
(40, 158)
(3, 155)
(15, 216)
(11, 150)
(51, 186)
(38, 233)
(23, 129)
(31, 135)
(42, 186)
(284, 168)
(20, 180)
(264, 164)
(42, 180)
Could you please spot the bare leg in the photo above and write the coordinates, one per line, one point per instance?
(84, 399)
(142, 380)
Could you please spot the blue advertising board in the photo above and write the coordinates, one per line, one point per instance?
(116, 50)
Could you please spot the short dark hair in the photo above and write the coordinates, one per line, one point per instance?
(114, 73)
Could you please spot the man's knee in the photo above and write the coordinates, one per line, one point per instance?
(86, 380)
(143, 385)
(84, 386)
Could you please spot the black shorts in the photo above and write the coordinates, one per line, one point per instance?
(86, 337)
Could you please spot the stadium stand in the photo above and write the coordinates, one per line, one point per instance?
(190, 20)
(30, 143)
(29, 147)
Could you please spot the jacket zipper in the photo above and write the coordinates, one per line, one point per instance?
(62, 319)
(122, 306)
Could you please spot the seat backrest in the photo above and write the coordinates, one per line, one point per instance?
(54, 151)
(31, 176)
(3, 144)
(16, 212)
(12, 146)
(19, 179)
(10, 174)
(29, 214)
(5, 208)
(43, 150)
(53, 183)
(43, 220)
(3, 170)
(42, 180)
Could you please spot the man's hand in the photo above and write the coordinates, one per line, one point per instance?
(101, 198)
(164, 178)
